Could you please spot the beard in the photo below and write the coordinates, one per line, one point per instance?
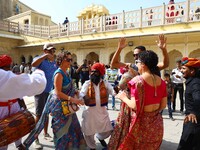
(95, 79)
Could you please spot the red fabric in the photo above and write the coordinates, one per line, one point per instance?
(123, 70)
(137, 130)
(190, 62)
(146, 130)
(150, 93)
(5, 60)
(100, 67)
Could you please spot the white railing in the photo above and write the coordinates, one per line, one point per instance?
(188, 11)
(9, 26)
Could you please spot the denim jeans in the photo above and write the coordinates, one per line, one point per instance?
(169, 106)
(113, 101)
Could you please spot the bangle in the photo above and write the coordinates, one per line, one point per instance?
(68, 98)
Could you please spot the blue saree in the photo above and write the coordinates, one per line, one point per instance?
(66, 129)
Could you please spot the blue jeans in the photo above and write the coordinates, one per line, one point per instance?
(169, 106)
(113, 101)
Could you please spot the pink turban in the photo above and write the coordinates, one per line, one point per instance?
(100, 67)
(5, 60)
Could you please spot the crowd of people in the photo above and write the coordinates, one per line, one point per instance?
(144, 94)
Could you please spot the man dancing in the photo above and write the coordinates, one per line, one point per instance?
(95, 118)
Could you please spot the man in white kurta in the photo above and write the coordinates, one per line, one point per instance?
(96, 118)
(16, 86)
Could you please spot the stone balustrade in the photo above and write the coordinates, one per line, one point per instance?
(182, 12)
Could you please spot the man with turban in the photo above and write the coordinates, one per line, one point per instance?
(10, 106)
(96, 120)
(191, 128)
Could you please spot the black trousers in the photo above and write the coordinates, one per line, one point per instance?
(190, 138)
(178, 88)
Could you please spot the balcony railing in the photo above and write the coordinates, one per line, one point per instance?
(9, 26)
(182, 12)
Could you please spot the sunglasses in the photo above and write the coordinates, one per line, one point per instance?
(135, 55)
(68, 59)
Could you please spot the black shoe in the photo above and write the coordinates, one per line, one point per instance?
(21, 147)
(172, 119)
(103, 143)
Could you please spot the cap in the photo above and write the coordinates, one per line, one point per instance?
(48, 46)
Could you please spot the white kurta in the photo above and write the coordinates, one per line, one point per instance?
(16, 86)
(96, 119)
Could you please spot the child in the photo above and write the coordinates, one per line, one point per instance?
(170, 93)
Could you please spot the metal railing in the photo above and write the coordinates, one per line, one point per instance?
(188, 11)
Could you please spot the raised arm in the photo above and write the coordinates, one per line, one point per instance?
(37, 61)
(115, 62)
(162, 45)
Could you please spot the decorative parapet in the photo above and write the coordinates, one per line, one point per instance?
(178, 13)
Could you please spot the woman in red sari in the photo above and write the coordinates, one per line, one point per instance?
(147, 98)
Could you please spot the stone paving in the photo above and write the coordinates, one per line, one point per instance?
(172, 129)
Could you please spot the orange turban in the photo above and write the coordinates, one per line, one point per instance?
(5, 60)
(190, 62)
(100, 67)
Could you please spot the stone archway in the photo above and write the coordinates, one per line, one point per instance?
(74, 58)
(111, 56)
(30, 58)
(195, 54)
(129, 57)
(23, 59)
(93, 57)
(174, 55)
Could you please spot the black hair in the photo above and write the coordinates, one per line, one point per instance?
(166, 75)
(142, 48)
(61, 56)
(178, 61)
(150, 59)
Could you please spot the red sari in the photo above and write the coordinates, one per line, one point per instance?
(137, 130)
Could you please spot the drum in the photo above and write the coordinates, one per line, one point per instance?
(15, 126)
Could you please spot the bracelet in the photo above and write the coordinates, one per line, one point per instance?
(68, 98)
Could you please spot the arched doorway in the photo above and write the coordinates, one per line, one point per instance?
(23, 59)
(93, 57)
(74, 58)
(129, 57)
(174, 56)
(195, 54)
(111, 56)
(30, 59)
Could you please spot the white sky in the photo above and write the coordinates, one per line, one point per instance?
(59, 9)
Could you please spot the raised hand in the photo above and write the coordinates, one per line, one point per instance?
(122, 43)
(161, 41)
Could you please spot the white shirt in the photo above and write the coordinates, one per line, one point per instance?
(175, 72)
(16, 86)
(96, 119)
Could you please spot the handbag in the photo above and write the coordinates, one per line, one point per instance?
(68, 107)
